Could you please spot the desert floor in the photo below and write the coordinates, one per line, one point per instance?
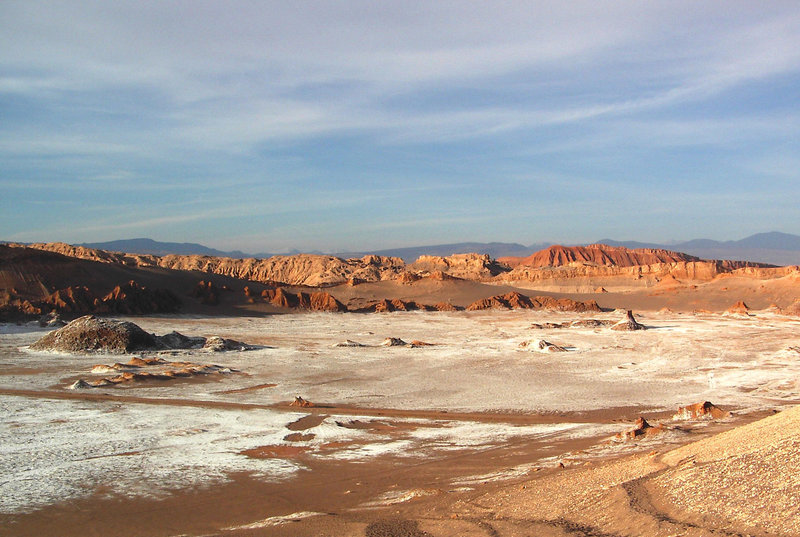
(472, 435)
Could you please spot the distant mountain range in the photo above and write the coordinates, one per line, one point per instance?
(494, 249)
(774, 247)
(151, 247)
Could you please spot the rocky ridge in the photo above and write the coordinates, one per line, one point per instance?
(598, 254)
(556, 262)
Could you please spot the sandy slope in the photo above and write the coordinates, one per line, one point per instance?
(742, 482)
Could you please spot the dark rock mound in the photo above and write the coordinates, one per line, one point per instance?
(218, 344)
(591, 323)
(92, 334)
(349, 343)
(548, 326)
(176, 340)
(515, 300)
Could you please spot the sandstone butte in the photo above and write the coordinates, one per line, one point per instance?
(598, 254)
(601, 261)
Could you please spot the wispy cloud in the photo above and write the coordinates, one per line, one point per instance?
(295, 107)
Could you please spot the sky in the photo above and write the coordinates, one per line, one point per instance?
(349, 125)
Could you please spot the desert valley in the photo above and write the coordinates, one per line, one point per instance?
(399, 268)
(579, 391)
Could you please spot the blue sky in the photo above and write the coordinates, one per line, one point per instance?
(266, 126)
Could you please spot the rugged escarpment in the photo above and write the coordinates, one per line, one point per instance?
(598, 254)
(554, 263)
(129, 298)
(303, 269)
(34, 280)
(702, 271)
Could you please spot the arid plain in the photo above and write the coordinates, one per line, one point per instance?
(449, 396)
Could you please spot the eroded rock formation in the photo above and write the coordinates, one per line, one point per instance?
(597, 254)
(740, 308)
(515, 300)
(542, 346)
(315, 301)
(705, 410)
(466, 266)
(90, 334)
(641, 428)
(629, 323)
(134, 299)
(147, 369)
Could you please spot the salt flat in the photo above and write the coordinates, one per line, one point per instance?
(55, 450)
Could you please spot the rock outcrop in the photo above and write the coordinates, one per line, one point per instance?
(629, 323)
(219, 344)
(740, 308)
(303, 269)
(51, 320)
(90, 334)
(147, 369)
(315, 301)
(76, 299)
(542, 346)
(302, 403)
(208, 293)
(349, 343)
(134, 299)
(515, 300)
(591, 323)
(408, 277)
(477, 267)
(705, 410)
(640, 429)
